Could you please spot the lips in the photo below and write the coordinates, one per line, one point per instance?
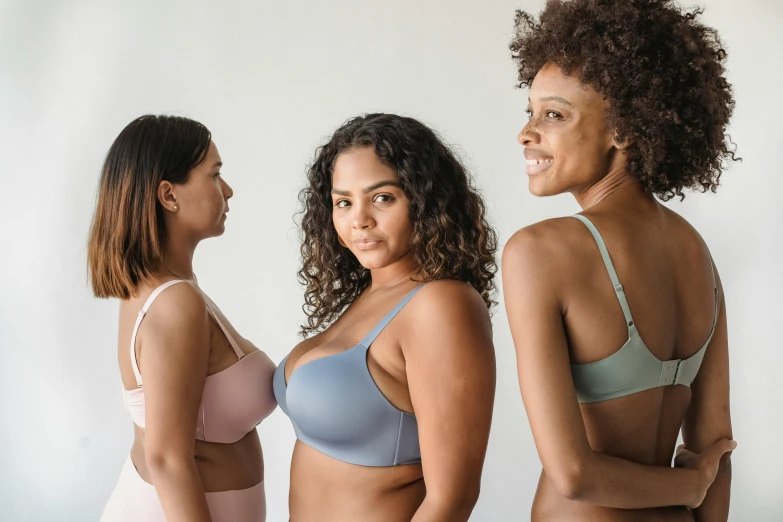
(537, 162)
(538, 166)
(366, 243)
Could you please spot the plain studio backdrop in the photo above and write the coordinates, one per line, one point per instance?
(272, 80)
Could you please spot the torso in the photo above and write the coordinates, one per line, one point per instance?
(222, 467)
(665, 269)
(324, 488)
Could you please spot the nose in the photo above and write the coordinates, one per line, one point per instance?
(228, 192)
(529, 135)
(362, 217)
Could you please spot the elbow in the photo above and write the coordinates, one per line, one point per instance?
(569, 480)
(162, 461)
(457, 504)
(469, 498)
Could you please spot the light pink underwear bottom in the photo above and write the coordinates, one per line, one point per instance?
(134, 500)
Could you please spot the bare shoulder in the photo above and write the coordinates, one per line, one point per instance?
(690, 246)
(179, 306)
(451, 306)
(545, 247)
(447, 297)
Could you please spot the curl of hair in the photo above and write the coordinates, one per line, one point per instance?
(451, 237)
(662, 73)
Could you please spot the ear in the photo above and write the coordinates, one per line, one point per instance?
(166, 196)
(621, 142)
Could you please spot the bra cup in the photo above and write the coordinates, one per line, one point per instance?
(339, 410)
(233, 403)
(336, 407)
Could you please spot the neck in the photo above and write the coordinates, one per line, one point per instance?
(617, 182)
(393, 274)
(178, 257)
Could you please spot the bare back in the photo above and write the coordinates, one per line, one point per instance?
(667, 276)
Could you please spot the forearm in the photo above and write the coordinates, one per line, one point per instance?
(715, 507)
(618, 483)
(179, 489)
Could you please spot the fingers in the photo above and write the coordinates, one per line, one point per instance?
(682, 451)
(723, 446)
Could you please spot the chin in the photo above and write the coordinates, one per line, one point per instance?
(372, 260)
(540, 188)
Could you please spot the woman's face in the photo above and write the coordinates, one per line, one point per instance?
(202, 201)
(568, 146)
(369, 209)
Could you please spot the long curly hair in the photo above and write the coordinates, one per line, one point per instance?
(451, 237)
(662, 73)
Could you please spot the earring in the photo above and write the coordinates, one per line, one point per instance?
(175, 207)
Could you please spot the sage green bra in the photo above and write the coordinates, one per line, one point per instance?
(633, 368)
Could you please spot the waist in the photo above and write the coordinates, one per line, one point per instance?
(328, 490)
(222, 467)
(548, 505)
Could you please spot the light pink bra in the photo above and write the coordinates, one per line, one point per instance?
(234, 400)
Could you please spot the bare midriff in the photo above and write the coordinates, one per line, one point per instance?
(222, 467)
(324, 489)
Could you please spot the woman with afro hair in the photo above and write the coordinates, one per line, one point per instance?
(391, 391)
(618, 316)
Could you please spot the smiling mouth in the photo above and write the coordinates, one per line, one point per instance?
(537, 166)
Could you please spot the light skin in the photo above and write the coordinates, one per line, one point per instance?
(611, 460)
(435, 359)
(178, 345)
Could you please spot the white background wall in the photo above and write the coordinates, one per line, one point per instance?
(272, 80)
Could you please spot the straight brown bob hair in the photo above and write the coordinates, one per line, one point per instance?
(128, 232)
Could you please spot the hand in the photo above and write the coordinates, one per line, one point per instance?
(706, 463)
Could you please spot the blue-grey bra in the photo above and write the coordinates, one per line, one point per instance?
(633, 368)
(336, 407)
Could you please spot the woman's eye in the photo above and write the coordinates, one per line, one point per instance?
(552, 114)
(218, 174)
(383, 198)
(529, 113)
(342, 203)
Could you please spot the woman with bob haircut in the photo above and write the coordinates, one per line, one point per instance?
(391, 391)
(618, 314)
(194, 388)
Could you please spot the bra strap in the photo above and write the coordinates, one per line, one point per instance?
(370, 337)
(230, 338)
(609, 268)
(155, 293)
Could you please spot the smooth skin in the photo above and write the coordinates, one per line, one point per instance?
(436, 359)
(610, 461)
(178, 344)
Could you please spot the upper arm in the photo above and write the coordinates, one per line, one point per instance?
(450, 367)
(174, 361)
(708, 418)
(534, 310)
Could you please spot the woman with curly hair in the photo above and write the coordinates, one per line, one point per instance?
(618, 317)
(391, 392)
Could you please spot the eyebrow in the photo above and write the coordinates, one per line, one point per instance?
(555, 99)
(218, 164)
(376, 186)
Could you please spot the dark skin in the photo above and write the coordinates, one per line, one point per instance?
(610, 460)
(435, 359)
